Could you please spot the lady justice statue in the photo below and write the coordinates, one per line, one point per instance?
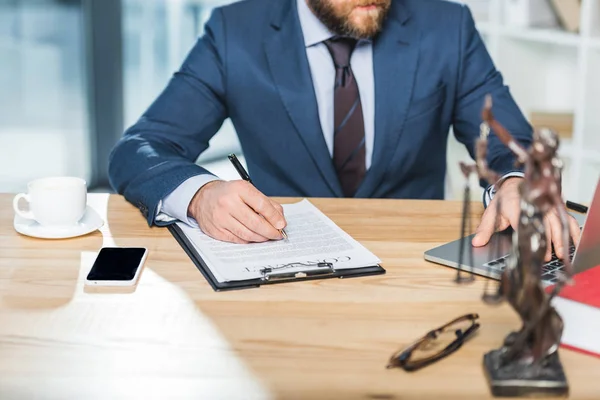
(527, 363)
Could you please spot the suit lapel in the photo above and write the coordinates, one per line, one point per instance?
(289, 67)
(395, 60)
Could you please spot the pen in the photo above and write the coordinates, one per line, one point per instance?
(244, 175)
(577, 207)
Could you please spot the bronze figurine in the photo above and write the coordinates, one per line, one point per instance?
(527, 363)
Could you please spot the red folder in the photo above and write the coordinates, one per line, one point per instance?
(586, 289)
(579, 306)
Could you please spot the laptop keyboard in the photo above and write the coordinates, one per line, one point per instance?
(549, 270)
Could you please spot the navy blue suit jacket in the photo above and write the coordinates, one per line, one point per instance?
(431, 72)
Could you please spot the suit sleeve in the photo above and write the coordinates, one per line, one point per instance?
(477, 77)
(159, 151)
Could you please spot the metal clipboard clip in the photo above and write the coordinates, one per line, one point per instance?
(276, 274)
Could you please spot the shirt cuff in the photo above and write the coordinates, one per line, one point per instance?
(175, 205)
(489, 193)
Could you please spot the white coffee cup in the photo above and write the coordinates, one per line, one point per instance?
(54, 201)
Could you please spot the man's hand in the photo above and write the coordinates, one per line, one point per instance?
(509, 216)
(229, 211)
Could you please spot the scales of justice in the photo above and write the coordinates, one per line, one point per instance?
(527, 362)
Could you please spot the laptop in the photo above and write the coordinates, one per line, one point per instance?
(490, 260)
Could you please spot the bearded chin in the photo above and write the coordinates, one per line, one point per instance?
(369, 28)
(341, 23)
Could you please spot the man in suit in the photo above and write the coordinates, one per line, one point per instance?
(329, 98)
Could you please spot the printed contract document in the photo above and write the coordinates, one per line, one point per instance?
(312, 238)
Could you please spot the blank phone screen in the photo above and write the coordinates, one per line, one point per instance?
(116, 264)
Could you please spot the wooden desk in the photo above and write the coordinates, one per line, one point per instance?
(174, 337)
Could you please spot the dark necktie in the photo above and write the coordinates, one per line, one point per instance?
(349, 127)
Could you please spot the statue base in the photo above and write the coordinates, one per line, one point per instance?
(525, 380)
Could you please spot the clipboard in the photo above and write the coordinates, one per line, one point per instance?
(322, 273)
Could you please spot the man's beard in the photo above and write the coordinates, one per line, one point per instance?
(341, 22)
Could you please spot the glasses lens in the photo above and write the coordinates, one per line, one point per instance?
(433, 347)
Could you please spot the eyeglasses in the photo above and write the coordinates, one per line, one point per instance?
(436, 344)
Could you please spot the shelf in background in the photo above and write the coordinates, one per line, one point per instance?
(592, 155)
(532, 34)
(550, 68)
(485, 27)
(595, 43)
(541, 35)
(567, 150)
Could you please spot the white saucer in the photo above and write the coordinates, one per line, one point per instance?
(89, 223)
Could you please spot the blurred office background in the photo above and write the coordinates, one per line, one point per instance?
(75, 73)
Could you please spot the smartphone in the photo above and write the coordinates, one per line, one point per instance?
(117, 266)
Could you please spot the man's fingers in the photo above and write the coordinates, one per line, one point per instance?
(574, 230)
(254, 223)
(277, 206)
(485, 229)
(209, 228)
(236, 212)
(243, 232)
(263, 206)
(553, 236)
(226, 235)
(491, 222)
(557, 236)
(548, 229)
(510, 219)
(220, 233)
